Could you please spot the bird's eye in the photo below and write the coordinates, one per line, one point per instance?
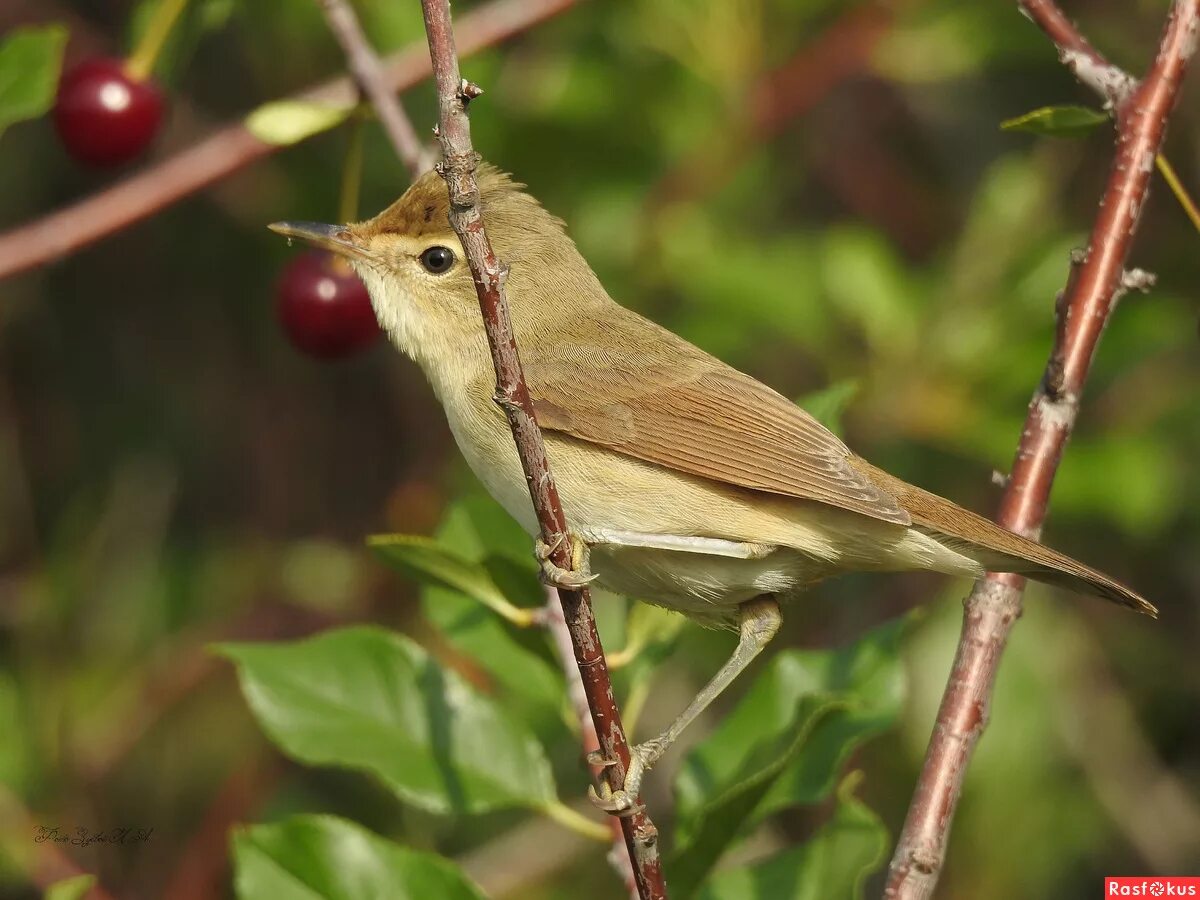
(437, 260)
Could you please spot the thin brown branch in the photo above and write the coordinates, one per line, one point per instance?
(233, 147)
(369, 75)
(552, 619)
(1097, 280)
(458, 168)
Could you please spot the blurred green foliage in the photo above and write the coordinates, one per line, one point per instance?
(173, 475)
(29, 66)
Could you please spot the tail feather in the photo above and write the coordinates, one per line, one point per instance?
(999, 549)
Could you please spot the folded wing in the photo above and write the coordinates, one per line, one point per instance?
(669, 403)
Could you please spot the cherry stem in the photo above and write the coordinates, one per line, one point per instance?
(351, 187)
(141, 62)
(1171, 177)
(352, 169)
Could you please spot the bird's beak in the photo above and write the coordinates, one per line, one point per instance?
(336, 238)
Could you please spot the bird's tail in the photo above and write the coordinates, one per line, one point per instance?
(998, 549)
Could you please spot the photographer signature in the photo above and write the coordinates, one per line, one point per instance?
(84, 837)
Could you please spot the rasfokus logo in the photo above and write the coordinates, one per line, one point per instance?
(1152, 886)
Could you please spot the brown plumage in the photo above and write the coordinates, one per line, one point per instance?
(695, 486)
(698, 485)
(999, 549)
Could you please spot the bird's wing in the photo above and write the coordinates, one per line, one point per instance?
(671, 404)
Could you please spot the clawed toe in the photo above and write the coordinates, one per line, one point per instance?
(558, 577)
(622, 802)
(616, 803)
(573, 579)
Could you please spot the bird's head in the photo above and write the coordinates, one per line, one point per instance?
(417, 274)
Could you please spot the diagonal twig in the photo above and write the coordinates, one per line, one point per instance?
(369, 75)
(512, 394)
(232, 148)
(1089, 65)
(1097, 280)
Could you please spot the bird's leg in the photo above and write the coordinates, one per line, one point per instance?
(758, 621)
(572, 579)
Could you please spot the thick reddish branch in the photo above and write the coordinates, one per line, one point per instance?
(512, 394)
(564, 648)
(232, 148)
(1141, 111)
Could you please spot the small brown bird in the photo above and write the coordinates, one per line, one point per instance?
(695, 486)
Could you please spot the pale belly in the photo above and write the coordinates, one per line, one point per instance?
(705, 587)
(800, 542)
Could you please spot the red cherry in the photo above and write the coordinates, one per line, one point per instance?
(104, 116)
(324, 307)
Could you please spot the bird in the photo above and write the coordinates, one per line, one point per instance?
(687, 483)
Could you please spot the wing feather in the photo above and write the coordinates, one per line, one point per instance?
(671, 404)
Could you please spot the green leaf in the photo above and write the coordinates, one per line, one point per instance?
(327, 858)
(869, 677)
(369, 699)
(784, 743)
(714, 824)
(833, 865)
(828, 404)
(30, 61)
(1059, 121)
(75, 888)
(287, 122)
(478, 527)
(430, 562)
(520, 660)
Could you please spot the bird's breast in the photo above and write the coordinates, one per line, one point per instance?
(485, 440)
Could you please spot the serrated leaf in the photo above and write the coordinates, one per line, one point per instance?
(784, 743)
(431, 562)
(30, 62)
(76, 887)
(286, 122)
(365, 698)
(828, 404)
(327, 858)
(833, 865)
(1058, 121)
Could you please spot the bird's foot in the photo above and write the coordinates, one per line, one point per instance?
(573, 579)
(623, 801)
